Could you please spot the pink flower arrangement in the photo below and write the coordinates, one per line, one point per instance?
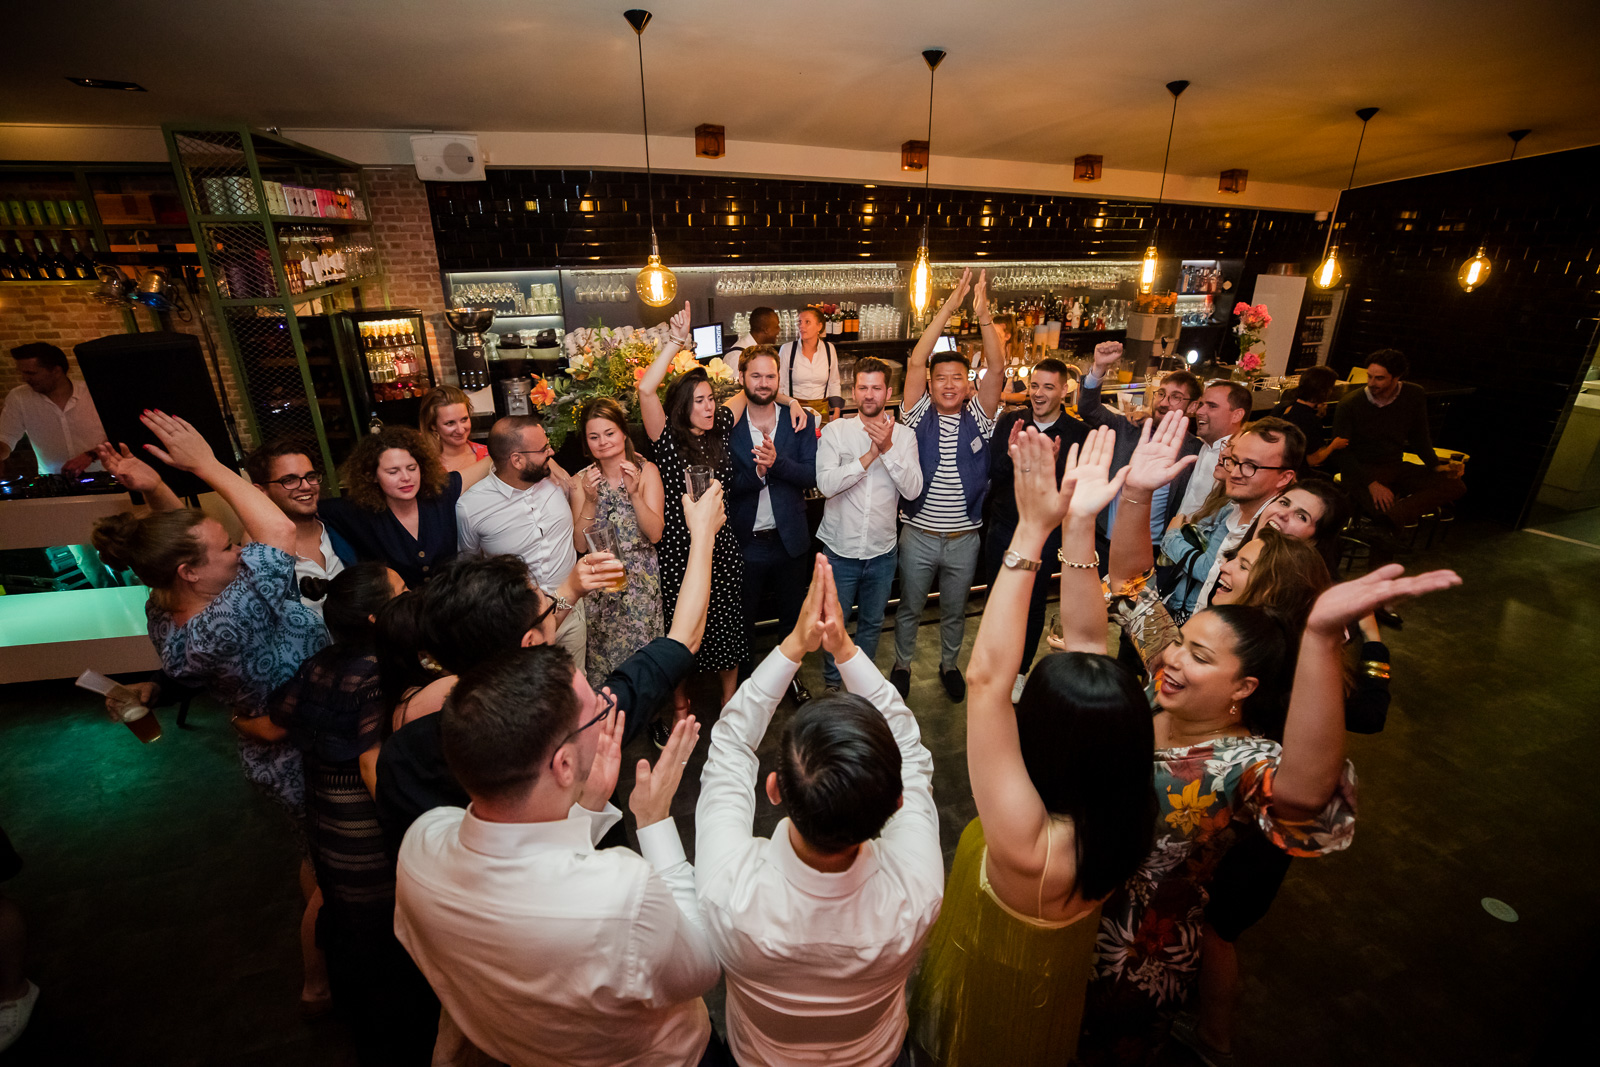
(1252, 317)
(1250, 361)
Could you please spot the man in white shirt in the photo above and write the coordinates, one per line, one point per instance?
(763, 331)
(941, 536)
(54, 411)
(865, 464)
(542, 949)
(1222, 408)
(284, 471)
(819, 927)
(523, 510)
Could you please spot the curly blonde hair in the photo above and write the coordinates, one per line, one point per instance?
(358, 475)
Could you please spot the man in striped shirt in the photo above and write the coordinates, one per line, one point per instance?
(940, 539)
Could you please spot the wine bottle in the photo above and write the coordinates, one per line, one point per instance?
(8, 265)
(32, 268)
(82, 265)
(60, 268)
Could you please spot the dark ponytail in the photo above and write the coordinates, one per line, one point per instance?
(1261, 642)
(355, 595)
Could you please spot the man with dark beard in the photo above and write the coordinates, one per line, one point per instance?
(523, 510)
(774, 465)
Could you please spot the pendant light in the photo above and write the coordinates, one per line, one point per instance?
(1475, 271)
(921, 293)
(1328, 275)
(657, 286)
(1147, 269)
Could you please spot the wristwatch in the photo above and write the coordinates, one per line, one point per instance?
(1018, 563)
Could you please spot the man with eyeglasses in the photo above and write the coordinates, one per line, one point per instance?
(284, 471)
(523, 510)
(543, 948)
(1258, 464)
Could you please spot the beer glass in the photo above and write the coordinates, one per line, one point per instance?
(699, 480)
(602, 537)
(122, 705)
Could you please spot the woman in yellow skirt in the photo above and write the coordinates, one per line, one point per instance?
(1062, 784)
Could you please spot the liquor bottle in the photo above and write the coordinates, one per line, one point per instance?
(61, 268)
(8, 266)
(36, 271)
(82, 265)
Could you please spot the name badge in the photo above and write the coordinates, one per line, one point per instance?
(977, 444)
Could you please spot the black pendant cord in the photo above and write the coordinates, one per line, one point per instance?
(644, 110)
(927, 167)
(1359, 142)
(1165, 159)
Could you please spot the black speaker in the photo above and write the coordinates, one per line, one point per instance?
(129, 372)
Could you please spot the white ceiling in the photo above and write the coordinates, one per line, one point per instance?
(1274, 82)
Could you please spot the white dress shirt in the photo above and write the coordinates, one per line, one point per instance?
(309, 568)
(57, 434)
(731, 355)
(816, 962)
(548, 952)
(493, 518)
(816, 378)
(858, 518)
(764, 519)
(1202, 478)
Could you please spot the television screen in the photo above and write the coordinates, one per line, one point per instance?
(708, 340)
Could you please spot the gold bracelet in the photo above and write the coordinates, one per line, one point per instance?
(1135, 503)
(1375, 669)
(1065, 562)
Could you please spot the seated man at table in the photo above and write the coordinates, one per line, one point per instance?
(542, 948)
(819, 927)
(1373, 428)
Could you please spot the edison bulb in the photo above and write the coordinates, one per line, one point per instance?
(1474, 272)
(1147, 272)
(1328, 275)
(657, 285)
(921, 282)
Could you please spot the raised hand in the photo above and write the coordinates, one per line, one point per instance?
(959, 293)
(679, 325)
(654, 787)
(128, 469)
(607, 759)
(1106, 354)
(182, 447)
(1347, 602)
(705, 516)
(589, 480)
(1156, 461)
(1090, 471)
(980, 296)
(1041, 499)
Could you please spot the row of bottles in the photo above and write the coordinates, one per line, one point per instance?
(394, 359)
(34, 214)
(313, 258)
(1200, 278)
(53, 264)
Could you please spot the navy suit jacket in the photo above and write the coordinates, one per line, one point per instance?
(794, 472)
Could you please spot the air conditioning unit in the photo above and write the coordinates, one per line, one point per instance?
(447, 157)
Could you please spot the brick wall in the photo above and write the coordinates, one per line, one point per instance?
(406, 245)
(1523, 340)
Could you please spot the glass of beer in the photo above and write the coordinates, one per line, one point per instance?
(699, 479)
(602, 537)
(138, 718)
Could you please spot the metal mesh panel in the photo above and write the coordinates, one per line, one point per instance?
(218, 176)
(277, 393)
(240, 260)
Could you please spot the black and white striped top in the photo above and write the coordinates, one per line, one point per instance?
(945, 510)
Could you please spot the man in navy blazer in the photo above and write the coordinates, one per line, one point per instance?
(773, 466)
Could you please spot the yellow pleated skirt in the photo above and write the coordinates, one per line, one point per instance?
(995, 987)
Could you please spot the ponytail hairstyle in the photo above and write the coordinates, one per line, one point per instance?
(1262, 643)
(355, 595)
(398, 636)
(153, 547)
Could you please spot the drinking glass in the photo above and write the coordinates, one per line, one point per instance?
(602, 537)
(698, 478)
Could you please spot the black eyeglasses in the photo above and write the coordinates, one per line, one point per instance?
(292, 481)
(533, 451)
(1245, 466)
(610, 705)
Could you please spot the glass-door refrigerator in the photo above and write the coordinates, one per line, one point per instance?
(383, 354)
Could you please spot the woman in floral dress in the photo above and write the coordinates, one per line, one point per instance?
(1219, 699)
(623, 489)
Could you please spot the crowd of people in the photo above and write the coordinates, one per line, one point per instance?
(435, 675)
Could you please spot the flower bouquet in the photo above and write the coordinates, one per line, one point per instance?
(607, 362)
(1252, 320)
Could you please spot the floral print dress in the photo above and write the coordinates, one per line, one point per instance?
(620, 624)
(1148, 945)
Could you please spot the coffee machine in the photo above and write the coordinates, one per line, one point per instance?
(472, 367)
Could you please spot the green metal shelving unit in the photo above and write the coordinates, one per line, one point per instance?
(293, 381)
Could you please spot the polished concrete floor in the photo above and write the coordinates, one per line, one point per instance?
(160, 893)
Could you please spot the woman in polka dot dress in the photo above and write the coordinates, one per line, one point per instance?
(692, 429)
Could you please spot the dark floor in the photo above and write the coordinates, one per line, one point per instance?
(160, 890)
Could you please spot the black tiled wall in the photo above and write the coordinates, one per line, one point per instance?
(525, 219)
(1523, 340)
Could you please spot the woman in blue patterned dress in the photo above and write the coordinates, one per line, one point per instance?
(224, 617)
